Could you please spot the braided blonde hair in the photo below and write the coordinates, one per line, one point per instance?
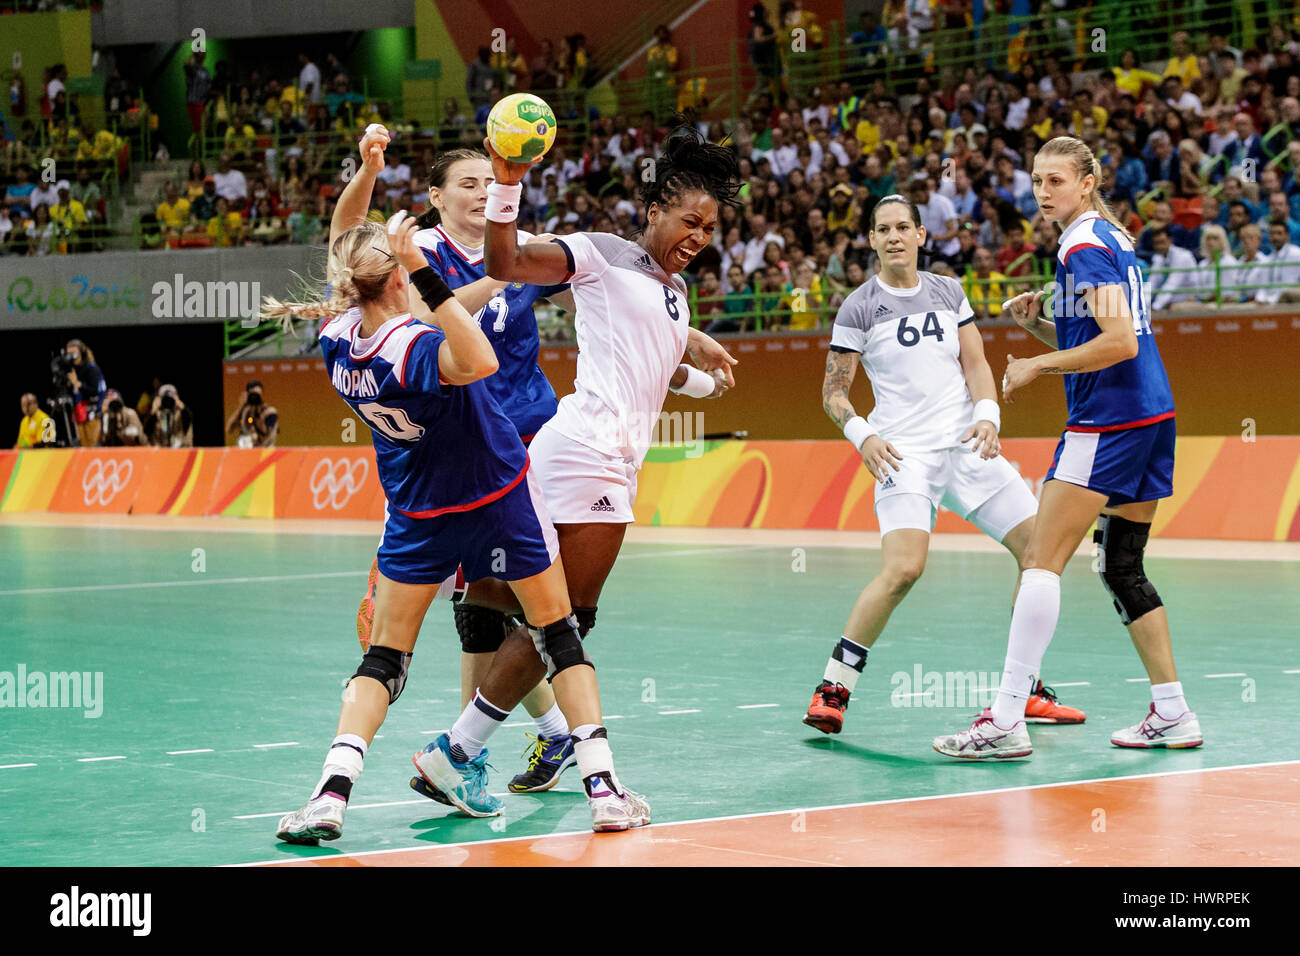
(360, 264)
(1085, 163)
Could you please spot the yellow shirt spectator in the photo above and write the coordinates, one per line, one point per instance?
(1132, 81)
(985, 295)
(228, 233)
(70, 216)
(1185, 69)
(1043, 130)
(32, 431)
(174, 214)
(868, 134)
(1099, 117)
(804, 305)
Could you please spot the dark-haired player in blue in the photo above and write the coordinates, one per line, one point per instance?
(1114, 463)
(453, 247)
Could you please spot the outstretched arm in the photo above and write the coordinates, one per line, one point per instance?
(536, 263)
(354, 201)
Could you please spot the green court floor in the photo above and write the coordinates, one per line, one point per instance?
(221, 688)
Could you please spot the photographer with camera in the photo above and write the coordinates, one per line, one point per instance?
(171, 424)
(121, 424)
(33, 432)
(78, 379)
(256, 422)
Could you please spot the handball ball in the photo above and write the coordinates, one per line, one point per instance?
(521, 127)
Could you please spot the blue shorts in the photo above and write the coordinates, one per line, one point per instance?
(510, 538)
(1130, 464)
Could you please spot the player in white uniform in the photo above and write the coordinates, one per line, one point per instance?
(930, 440)
(633, 327)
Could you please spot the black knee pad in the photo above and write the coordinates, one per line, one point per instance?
(481, 629)
(586, 619)
(1121, 544)
(559, 645)
(388, 666)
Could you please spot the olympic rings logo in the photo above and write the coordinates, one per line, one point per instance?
(334, 483)
(103, 479)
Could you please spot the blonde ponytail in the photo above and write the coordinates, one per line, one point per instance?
(360, 264)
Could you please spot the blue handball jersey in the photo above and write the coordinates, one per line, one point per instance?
(508, 321)
(439, 448)
(1131, 393)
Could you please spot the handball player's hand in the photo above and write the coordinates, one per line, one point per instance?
(709, 356)
(373, 143)
(1024, 308)
(876, 452)
(986, 439)
(504, 171)
(1020, 372)
(401, 241)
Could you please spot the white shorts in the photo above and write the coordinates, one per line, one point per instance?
(987, 492)
(581, 485)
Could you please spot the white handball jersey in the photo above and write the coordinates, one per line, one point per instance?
(632, 321)
(908, 342)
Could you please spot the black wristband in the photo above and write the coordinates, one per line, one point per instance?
(432, 289)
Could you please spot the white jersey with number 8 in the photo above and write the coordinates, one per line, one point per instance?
(632, 322)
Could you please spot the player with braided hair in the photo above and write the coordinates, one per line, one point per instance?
(633, 330)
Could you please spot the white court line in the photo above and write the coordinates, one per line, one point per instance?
(613, 717)
(518, 723)
(202, 750)
(14, 766)
(668, 713)
(1077, 683)
(1212, 676)
(1297, 671)
(287, 743)
(537, 838)
(919, 693)
(93, 759)
(1137, 680)
(754, 706)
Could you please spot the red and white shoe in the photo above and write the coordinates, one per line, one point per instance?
(985, 740)
(1181, 733)
(1043, 708)
(366, 612)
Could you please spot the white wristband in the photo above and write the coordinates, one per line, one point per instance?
(986, 410)
(698, 384)
(503, 202)
(857, 431)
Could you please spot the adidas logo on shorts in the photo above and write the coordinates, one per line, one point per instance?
(888, 482)
(602, 505)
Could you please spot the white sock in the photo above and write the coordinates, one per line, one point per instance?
(1033, 621)
(552, 723)
(594, 756)
(846, 671)
(476, 723)
(346, 755)
(1168, 699)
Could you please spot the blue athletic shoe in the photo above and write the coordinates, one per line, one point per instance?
(464, 784)
(548, 757)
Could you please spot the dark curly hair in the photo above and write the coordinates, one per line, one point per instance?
(688, 162)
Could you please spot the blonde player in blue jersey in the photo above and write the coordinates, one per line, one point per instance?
(452, 243)
(460, 495)
(1113, 464)
(930, 440)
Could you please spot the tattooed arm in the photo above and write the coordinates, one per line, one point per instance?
(840, 369)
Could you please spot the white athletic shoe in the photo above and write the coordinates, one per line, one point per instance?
(1183, 732)
(985, 740)
(613, 807)
(320, 819)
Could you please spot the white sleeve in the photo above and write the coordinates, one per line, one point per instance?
(584, 258)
